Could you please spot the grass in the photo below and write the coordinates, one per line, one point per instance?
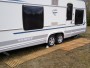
(87, 33)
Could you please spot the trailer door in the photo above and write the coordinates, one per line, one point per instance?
(69, 14)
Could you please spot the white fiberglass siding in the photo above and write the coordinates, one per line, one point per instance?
(10, 16)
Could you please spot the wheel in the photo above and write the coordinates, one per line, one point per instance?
(59, 38)
(51, 40)
(76, 36)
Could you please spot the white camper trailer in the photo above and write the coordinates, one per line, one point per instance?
(25, 23)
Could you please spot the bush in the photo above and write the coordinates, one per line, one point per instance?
(88, 21)
(88, 18)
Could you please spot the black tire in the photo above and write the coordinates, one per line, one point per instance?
(59, 38)
(51, 40)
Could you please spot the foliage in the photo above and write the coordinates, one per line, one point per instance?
(88, 18)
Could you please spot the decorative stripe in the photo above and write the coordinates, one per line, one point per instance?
(10, 30)
(42, 30)
(22, 40)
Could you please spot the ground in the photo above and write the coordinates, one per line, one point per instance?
(75, 58)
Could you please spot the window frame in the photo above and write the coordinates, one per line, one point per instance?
(29, 22)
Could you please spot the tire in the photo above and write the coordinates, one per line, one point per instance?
(59, 38)
(51, 40)
(76, 36)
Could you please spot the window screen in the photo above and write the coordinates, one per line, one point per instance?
(54, 2)
(79, 16)
(69, 11)
(32, 17)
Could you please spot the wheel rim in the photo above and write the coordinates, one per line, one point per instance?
(60, 39)
(51, 41)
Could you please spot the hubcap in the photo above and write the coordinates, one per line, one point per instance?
(60, 39)
(51, 41)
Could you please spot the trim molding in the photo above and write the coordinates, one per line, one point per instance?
(42, 30)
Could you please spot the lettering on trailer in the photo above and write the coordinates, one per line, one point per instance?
(54, 11)
(21, 40)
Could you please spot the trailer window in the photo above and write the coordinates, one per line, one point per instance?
(32, 17)
(69, 11)
(79, 16)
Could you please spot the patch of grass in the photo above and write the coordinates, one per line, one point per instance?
(87, 33)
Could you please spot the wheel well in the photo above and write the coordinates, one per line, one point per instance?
(59, 33)
(55, 34)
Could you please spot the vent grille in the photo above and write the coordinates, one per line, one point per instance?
(54, 2)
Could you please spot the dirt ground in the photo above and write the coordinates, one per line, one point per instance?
(76, 58)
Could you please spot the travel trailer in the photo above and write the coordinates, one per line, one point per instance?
(25, 23)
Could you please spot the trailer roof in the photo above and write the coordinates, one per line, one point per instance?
(29, 0)
(45, 2)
